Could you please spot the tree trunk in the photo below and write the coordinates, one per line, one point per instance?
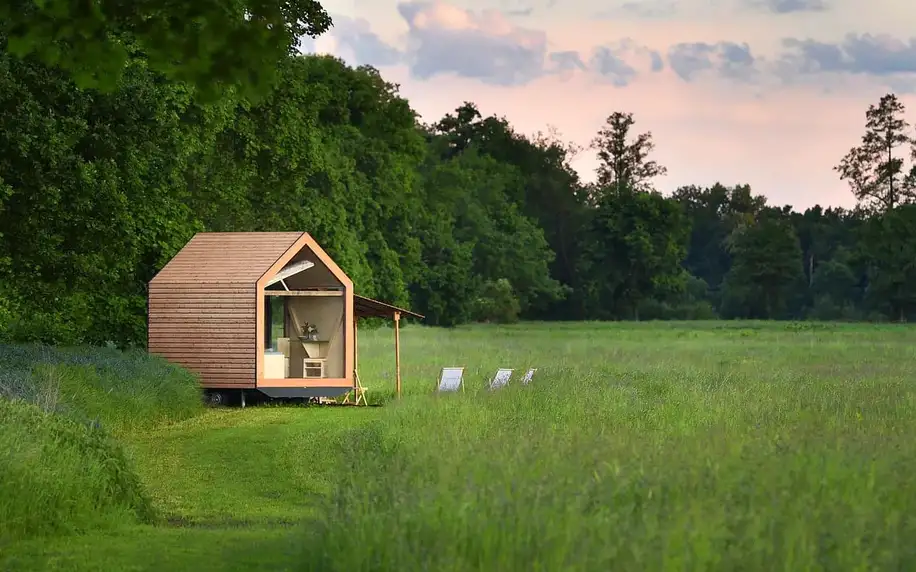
(811, 270)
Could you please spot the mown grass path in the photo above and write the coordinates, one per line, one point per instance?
(233, 485)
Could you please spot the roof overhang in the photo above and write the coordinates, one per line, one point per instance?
(368, 308)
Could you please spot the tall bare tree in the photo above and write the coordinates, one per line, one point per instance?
(625, 164)
(876, 170)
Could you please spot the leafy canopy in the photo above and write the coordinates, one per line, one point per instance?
(211, 44)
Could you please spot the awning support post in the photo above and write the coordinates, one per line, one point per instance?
(397, 351)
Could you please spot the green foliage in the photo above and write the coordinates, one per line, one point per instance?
(624, 164)
(890, 243)
(213, 44)
(766, 268)
(497, 303)
(506, 244)
(100, 188)
(528, 190)
(98, 199)
(878, 175)
(690, 304)
(633, 251)
(835, 280)
(714, 213)
(825, 308)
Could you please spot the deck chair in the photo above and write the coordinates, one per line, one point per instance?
(528, 375)
(450, 379)
(358, 392)
(501, 378)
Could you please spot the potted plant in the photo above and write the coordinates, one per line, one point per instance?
(310, 332)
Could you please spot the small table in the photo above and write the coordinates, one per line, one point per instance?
(315, 348)
(312, 354)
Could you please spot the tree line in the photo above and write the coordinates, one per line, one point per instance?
(463, 219)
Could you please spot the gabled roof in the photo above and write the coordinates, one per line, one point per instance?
(367, 307)
(242, 258)
(306, 241)
(251, 258)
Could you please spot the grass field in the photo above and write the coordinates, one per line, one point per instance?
(679, 446)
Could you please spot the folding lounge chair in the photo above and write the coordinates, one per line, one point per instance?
(501, 378)
(450, 379)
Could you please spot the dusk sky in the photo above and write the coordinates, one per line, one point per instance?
(766, 92)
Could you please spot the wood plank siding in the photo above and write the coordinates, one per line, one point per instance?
(203, 305)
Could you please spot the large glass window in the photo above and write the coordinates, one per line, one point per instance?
(275, 307)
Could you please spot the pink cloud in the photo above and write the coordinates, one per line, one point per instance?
(783, 143)
(442, 16)
(781, 138)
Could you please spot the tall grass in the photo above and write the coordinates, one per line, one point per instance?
(122, 390)
(61, 468)
(675, 447)
(58, 476)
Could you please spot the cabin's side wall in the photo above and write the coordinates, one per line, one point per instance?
(209, 328)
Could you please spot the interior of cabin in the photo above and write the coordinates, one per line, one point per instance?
(304, 312)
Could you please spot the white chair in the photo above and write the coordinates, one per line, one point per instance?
(501, 378)
(450, 379)
(528, 375)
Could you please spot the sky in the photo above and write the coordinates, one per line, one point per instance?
(770, 93)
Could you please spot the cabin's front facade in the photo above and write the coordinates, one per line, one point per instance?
(259, 310)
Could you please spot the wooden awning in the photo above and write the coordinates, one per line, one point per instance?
(368, 308)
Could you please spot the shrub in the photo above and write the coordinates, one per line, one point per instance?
(651, 309)
(497, 303)
(825, 309)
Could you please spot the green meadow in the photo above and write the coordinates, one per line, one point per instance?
(638, 446)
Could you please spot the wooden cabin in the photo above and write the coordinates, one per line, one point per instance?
(269, 311)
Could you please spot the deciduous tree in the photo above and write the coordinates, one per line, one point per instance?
(889, 243)
(624, 164)
(877, 170)
(632, 251)
(766, 267)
